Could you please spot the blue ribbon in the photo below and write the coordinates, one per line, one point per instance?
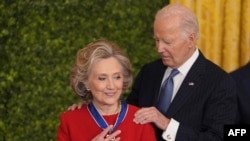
(101, 122)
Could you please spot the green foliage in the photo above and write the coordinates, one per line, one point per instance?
(38, 43)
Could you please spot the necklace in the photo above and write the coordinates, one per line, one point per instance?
(118, 108)
(112, 113)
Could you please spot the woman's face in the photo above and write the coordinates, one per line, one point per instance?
(106, 81)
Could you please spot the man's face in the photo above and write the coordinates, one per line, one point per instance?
(171, 43)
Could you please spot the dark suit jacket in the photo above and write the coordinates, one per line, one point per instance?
(242, 78)
(205, 101)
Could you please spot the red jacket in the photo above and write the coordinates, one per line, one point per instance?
(78, 125)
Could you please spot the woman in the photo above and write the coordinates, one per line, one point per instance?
(101, 73)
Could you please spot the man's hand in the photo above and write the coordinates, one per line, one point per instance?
(75, 106)
(151, 114)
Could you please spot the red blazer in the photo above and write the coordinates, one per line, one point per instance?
(78, 125)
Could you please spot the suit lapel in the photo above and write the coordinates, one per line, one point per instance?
(189, 85)
(159, 76)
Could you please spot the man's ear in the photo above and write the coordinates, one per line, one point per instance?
(192, 39)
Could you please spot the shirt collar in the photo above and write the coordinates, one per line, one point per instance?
(183, 69)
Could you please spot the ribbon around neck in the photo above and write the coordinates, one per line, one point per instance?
(101, 122)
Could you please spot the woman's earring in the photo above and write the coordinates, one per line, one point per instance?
(88, 89)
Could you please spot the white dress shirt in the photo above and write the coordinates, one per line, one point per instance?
(170, 132)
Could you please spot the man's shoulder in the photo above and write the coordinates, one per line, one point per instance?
(155, 63)
(75, 113)
(242, 70)
(205, 65)
(241, 74)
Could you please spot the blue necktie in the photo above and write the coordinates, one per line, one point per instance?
(166, 92)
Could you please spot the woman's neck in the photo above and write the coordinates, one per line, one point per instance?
(107, 109)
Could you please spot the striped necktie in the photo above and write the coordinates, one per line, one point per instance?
(166, 92)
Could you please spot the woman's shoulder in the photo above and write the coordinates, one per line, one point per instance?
(132, 108)
(75, 112)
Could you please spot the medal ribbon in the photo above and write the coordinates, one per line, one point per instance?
(101, 122)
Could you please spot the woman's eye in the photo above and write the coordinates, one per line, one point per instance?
(101, 78)
(118, 77)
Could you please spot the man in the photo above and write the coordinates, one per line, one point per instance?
(204, 96)
(242, 78)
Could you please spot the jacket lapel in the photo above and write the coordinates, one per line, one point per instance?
(189, 85)
(159, 76)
